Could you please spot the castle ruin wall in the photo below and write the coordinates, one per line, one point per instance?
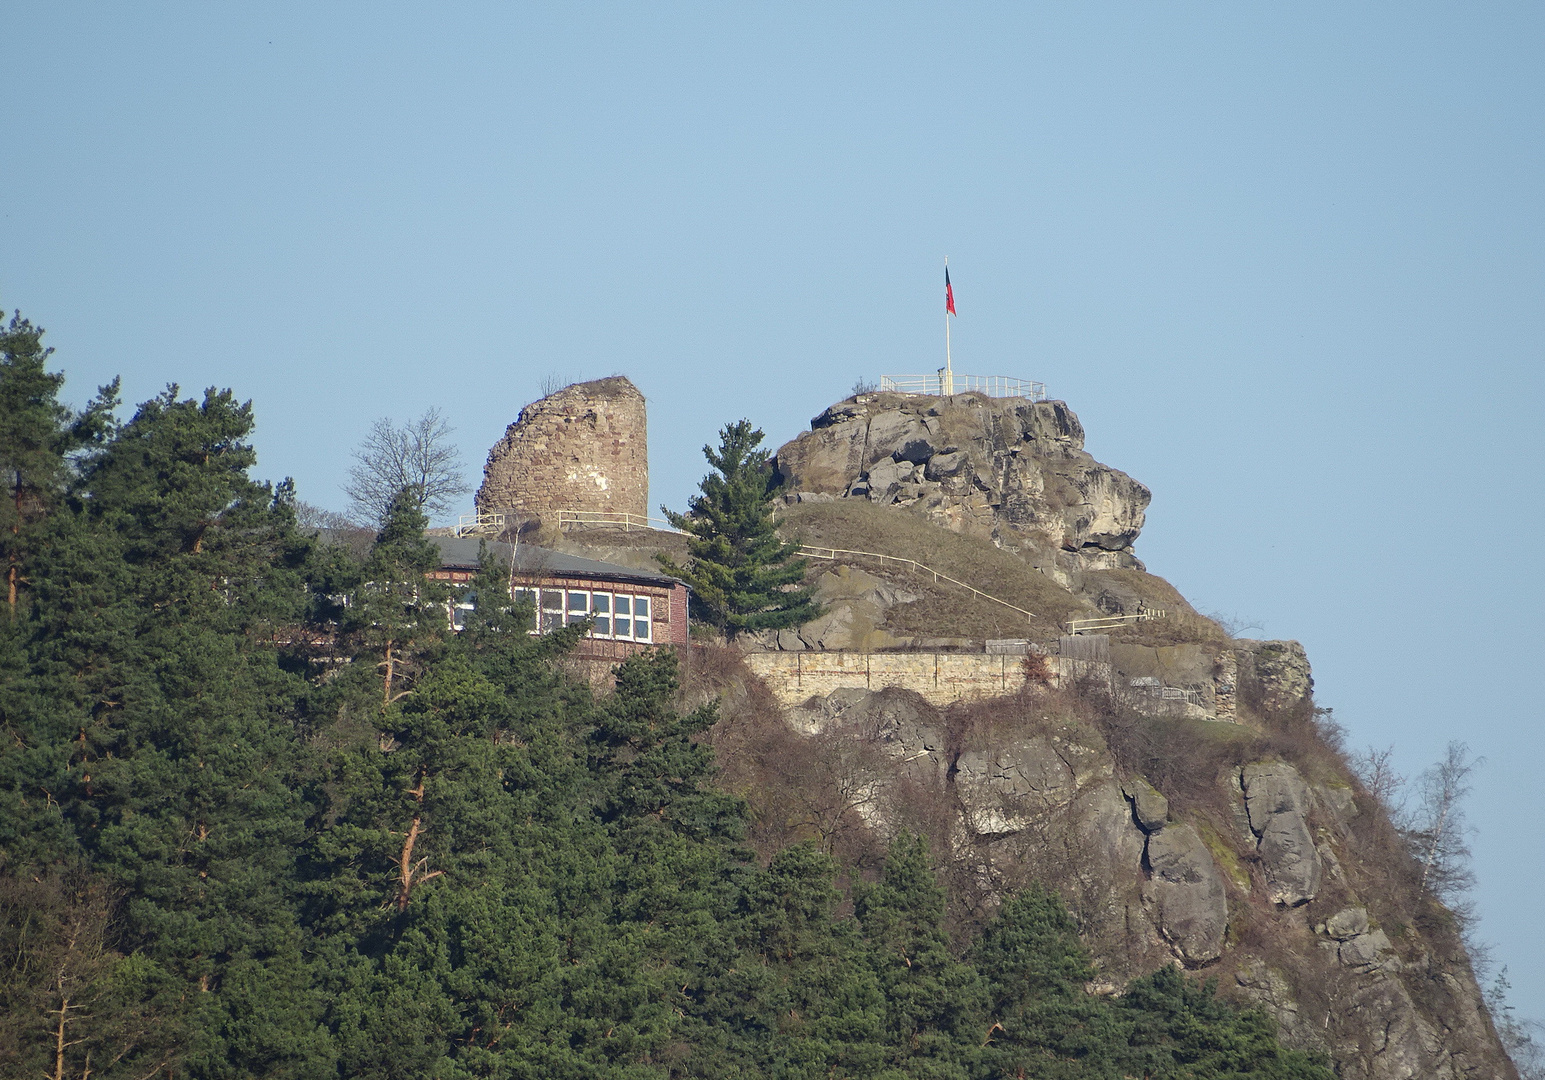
(584, 447)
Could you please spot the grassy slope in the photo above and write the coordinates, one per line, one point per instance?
(945, 610)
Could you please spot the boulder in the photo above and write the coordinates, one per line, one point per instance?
(1347, 923)
(1187, 894)
(899, 435)
(1277, 802)
(1004, 786)
(1108, 832)
(1366, 953)
(945, 466)
(885, 479)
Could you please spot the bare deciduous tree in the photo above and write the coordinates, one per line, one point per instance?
(1376, 769)
(1437, 830)
(417, 456)
(1522, 1038)
(312, 518)
(553, 382)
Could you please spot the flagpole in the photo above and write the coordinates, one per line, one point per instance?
(947, 381)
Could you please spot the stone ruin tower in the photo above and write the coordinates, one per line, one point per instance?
(584, 447)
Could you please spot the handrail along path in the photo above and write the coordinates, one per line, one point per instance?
(832, 553)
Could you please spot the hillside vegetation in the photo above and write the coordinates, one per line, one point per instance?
(263, 815)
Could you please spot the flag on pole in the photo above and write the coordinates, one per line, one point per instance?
(949, 293)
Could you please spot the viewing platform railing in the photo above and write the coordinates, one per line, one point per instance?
(942, 385)
(1112, 622)
(602, 519)
(480, 525)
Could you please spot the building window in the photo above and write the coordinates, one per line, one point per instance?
(617, 616)
(552, 610)
(460, 606)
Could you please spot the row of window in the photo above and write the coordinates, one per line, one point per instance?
(618, 616)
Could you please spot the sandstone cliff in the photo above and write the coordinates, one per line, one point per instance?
(1005, 468)
(1246, 852)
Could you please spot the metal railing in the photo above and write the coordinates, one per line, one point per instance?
(1112, 622)
(832, 553)
(480, 524)
(604, 519)
(942, 385)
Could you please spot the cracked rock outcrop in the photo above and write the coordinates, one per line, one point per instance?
(1014, 793)
(1281, 671)
(1187, 892)
(1277, 801)
(1008, 468)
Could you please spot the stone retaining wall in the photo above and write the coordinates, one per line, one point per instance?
(941, 678)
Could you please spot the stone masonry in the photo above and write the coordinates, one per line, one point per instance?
(584, 447)
(940, 678)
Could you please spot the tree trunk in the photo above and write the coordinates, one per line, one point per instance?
(410, 872)
(386, 694)
(59, 1044)
(15, 569)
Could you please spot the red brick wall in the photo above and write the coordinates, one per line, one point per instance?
(678, 609)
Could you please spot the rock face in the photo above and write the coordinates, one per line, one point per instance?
(1187, 893)
(854, 603)
(1277, 801)
(1008, 468)
(1149, 807)
(1281, 670)
(584, 447)
(1013, 792)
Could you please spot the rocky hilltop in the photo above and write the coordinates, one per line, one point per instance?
(1009, 469)
(1179, 787)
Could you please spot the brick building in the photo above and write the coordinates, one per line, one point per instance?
(632, 609)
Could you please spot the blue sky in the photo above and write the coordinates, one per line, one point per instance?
(1285, 261)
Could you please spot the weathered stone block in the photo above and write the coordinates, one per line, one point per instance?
(1187, 894)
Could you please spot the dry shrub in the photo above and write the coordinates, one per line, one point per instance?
(1037, 670)
(798, 787)
(1187, 760)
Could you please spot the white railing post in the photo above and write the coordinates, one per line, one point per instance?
(945, 383)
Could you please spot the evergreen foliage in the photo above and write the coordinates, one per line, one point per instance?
(263, 815)
(38, 435)
(743, 577)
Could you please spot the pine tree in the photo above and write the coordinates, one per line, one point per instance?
(153, 744)
(935, 1019)
(37, 436)
(743, 577)
(1035, 968)
(397, 610)
(822, 1012)
(1177, 1027)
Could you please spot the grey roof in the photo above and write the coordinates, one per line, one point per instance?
(461, 552)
